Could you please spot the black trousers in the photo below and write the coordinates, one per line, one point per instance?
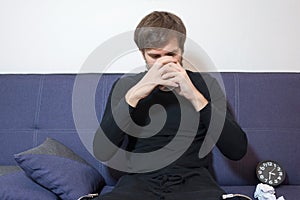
(168, 185)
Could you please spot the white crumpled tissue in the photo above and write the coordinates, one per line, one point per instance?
(265, 192)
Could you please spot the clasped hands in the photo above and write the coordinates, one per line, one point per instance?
(166, 73)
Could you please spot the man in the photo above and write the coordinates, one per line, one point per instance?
(185, 97)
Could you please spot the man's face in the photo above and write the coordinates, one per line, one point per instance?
(170, 49)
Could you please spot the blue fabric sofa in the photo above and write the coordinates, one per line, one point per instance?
(267, 106)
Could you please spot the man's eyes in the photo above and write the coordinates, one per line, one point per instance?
(156, 56)
(171, 54)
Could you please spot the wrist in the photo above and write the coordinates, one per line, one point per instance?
(131, 98)
(136, 93)
(199, 101)
(199, 105)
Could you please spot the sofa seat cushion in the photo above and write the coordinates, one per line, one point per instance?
(16, 185)
(289, 192)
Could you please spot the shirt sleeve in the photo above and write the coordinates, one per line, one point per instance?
(230, 138)
(116, 118)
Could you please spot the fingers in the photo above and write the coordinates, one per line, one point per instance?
(163, 61)
(170, 67)
(163, 71)
(169, 75)
(167, 59)
(169, 83)
(171, 70)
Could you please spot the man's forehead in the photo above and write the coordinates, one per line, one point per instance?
(162, 50)
(170, 45)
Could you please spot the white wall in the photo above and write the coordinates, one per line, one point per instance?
(57, 36)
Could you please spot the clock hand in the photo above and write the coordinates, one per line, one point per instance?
(272, 170)
(270, 173)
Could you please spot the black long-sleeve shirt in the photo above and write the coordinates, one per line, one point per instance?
(149, 127)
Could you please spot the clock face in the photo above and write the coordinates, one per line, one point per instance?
(270, 172)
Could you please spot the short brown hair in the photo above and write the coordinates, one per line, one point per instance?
(156, 29)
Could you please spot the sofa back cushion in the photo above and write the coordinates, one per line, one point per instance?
(267, 106)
